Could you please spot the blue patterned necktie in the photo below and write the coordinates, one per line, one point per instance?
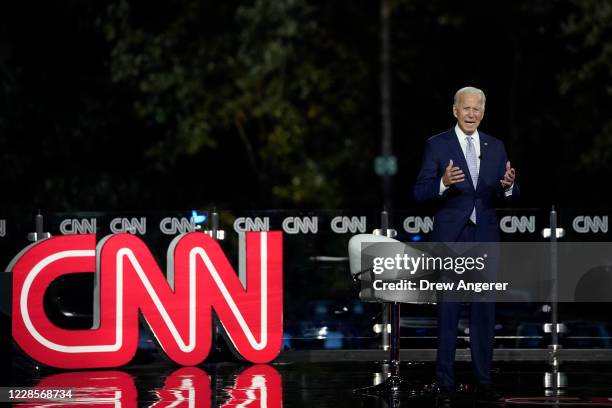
(472, 162)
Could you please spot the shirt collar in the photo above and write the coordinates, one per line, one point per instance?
(462, 135)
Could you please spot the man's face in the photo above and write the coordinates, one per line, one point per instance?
(469, 111)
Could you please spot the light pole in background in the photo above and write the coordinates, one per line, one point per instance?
(385, 165)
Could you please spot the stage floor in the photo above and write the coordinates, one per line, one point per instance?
(320, 384)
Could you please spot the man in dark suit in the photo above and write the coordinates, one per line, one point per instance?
(463, 174)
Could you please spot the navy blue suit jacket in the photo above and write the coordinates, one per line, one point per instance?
(454, 206)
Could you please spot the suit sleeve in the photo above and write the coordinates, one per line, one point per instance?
(427, 186)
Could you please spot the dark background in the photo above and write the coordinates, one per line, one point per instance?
(143, 105)
(276, 104)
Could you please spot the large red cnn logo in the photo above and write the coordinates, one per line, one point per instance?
(176, 307)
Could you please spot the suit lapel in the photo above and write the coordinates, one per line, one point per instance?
(457, 154)
(485, 159)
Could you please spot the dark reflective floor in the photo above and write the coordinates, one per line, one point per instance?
(321, 384)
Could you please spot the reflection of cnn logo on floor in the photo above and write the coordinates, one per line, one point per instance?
(177, 307)
(259, 385)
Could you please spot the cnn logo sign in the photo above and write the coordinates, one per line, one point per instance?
(177, 307)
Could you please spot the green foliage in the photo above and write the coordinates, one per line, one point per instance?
(254, 73)
(588, 83)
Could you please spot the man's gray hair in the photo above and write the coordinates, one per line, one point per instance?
(470, 90)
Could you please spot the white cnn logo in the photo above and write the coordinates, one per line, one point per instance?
(416, 225)
(511, 224)
(584, 224)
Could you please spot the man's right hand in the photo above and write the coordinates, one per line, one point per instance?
(452, 175)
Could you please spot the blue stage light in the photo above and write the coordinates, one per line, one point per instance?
(416, 238)
(196, 218)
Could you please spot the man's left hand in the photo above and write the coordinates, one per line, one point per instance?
(508, 176)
